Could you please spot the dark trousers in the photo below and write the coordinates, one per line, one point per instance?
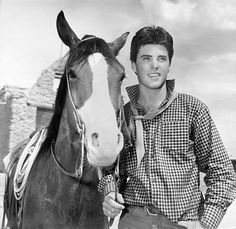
(135, 217)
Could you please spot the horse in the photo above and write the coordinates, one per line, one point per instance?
(83, 135)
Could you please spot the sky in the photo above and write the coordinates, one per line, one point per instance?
(204, 34)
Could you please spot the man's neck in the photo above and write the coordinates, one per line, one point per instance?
(149, 98)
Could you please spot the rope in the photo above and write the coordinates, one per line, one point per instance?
(25, 163)
(117, 168)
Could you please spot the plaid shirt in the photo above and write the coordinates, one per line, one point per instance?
(179, 142)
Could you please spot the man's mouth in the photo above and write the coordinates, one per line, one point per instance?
(156, 74)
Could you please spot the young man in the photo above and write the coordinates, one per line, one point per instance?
(175, 138)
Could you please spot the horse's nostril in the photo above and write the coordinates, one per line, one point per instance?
(94, 137)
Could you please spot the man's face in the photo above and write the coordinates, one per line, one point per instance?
(152, 66)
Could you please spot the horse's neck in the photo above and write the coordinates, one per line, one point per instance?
(67, 140)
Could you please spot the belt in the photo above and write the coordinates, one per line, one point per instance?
(158, 218)
(150, 210)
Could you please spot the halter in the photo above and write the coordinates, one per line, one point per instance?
(80, 126)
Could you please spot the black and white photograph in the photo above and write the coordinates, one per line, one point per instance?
(117, 114)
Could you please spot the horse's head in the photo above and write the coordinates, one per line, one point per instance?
(94, 78)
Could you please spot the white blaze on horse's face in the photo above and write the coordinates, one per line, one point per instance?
(104, 139)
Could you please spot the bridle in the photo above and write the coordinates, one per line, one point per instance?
(80, 127)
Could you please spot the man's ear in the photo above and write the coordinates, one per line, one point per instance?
(133, 66)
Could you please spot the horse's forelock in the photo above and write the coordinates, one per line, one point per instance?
(86, 47)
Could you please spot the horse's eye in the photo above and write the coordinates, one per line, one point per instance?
(72, 75)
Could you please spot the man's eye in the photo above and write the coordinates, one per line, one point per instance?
(162, 59)
(146, 58)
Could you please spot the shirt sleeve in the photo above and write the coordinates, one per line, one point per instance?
(106, 185)
(220, 177)
(107, 182)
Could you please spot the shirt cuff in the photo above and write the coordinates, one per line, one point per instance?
(211, 217)
(110, 187)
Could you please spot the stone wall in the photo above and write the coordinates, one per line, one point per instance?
(5, 113)
(23, 120)
(23, 110)
(17, 121)
(43, 92)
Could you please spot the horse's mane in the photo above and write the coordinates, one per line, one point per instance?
(78, 54)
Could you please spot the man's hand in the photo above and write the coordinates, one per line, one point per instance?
(200, 226)
(112, 208)
(192, 224)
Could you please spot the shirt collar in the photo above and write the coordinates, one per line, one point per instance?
(133, 93)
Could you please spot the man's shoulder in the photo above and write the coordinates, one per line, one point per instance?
(191, 102)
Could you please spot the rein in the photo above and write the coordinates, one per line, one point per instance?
(117, 168)
(80, 126)
(78, 172)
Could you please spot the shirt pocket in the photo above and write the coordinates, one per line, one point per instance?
(174, 141)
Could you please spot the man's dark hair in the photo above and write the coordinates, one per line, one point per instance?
(151, 35)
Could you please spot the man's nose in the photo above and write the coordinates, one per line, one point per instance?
(155, 64)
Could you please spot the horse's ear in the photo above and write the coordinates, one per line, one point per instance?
(65, 32)
(118, 43)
